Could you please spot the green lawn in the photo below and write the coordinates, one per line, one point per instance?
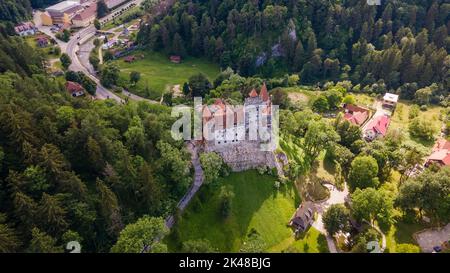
(402, 233)
(257, 205)
(158, 74)
(302, 95)
(401, 121)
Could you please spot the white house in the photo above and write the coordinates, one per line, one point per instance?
(390, 100)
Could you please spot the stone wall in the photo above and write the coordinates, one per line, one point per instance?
(246, 155)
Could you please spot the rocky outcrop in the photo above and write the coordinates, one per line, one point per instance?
(246, 155)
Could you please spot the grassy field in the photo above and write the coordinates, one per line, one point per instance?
(401, 121)
(257, 205)
(302, 95)
(158, 74)
(402, 233)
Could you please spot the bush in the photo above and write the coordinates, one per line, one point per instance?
(422, 129)
(407, 248)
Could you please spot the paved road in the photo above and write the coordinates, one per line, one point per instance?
(73, 46)
(198, 182)
(430, 238)
(336, 197)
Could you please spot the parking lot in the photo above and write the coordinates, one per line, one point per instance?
(432, 237)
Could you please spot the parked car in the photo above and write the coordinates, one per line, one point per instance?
(437, 249)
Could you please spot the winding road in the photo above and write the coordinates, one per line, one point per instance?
(72, 48)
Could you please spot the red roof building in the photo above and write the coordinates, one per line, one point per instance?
(355, 114)
(440, 154)
(378, 126)
(175, 59)
(74, 88)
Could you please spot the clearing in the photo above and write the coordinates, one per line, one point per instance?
(257, 205)
(159, 75)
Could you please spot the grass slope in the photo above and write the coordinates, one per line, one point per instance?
(256, 205)
(160, 75)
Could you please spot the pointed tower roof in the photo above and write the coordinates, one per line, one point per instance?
(264, 94)
(253, 94)
(206, 112)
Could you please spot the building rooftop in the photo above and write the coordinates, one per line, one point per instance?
(390, 97)
(63, 6)
(379, 124)
(87, 13)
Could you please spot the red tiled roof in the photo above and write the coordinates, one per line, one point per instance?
(379, 124)
(86, 14)
(355, 108)
(441, 152)
(356, 118)
(264, 94)
(253, 93)
(442, 144)
(24, 26)
(73, 87)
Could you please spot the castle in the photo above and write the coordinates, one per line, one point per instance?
(238, 133)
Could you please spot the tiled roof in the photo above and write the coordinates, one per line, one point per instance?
(73, 87)
(379, 124)
(264, 94)
(86, 14)
(253, 93)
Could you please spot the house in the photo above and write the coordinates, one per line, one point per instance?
(42, 41)
(355, 114)
(175, 59)
(86, 17)
(129, 59)
(61, 13)
(303, 217)
(25, 29)
(440, 153)
(376, 127)
(74, 88)
(390, 100)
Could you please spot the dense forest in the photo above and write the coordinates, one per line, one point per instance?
(400, 45)
(77, 169)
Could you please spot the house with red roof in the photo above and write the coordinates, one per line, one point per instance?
(85, 17)
(75, 89)
(175, 59)
(355, 114)
(25, 29)
(376, 127)
(440, 153)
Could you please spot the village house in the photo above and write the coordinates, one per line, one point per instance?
(440, 153)
(86, 17)
(25, 29)
(303, 217)
(74, 89)
(355, 114)
(390, 100)
(175, 59)
(42, 41)
(377, 127)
